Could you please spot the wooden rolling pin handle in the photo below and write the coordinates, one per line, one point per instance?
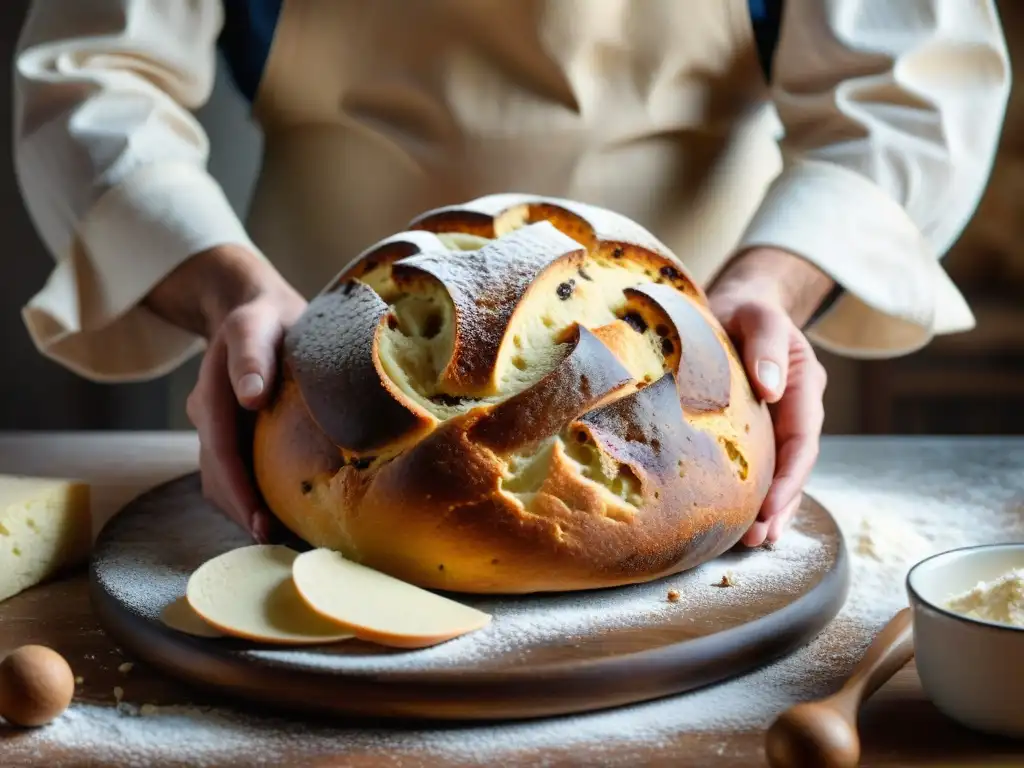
(823, 734)
(890, 651)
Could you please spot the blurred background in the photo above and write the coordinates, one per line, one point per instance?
(971, 383)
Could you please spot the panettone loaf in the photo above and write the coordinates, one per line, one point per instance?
(517, 395)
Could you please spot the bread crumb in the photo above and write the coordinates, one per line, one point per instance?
(118, 694)
(673, 595)
(727, 580)
(125, 668)
(146, 710)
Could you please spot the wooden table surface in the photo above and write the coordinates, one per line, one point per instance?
(899, 726)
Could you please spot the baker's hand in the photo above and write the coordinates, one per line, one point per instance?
(762, 299)
(242, 306)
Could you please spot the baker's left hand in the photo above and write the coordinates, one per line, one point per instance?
(762, 298)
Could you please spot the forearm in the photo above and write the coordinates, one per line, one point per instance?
(201, 292)
(771, 274)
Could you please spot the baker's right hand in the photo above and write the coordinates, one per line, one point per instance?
(242, 306)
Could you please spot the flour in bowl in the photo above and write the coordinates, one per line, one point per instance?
(1000, 600)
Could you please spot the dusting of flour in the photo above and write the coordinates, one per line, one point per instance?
(896, 502)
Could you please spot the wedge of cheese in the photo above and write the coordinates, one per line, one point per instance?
(45, 528)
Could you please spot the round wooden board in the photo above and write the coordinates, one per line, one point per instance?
(541, 655)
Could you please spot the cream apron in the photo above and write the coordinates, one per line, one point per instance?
(376, 111)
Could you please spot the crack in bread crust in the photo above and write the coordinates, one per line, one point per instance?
(332, 353)
(517, 394)
(694, 351)
(588, 374)
(485, 289)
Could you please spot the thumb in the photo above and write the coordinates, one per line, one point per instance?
(252, 335)
(764, 339)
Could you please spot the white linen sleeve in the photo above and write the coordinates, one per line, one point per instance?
(892, 113)
(112, 167)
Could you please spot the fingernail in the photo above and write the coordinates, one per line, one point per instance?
(250, 385)
(769, 374)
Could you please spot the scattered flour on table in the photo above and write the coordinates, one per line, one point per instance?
(891, 518)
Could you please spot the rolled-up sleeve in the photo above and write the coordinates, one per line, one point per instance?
(112, 167)
(892, 112)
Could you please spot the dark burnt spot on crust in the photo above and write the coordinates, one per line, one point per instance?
(440, 566)
(363, 462)
(392, 322)
(635, 321)
(565, 289)
(618, 253)
(669, 272)
(647, 431)
(701, 547)
(330, 351)
(307, 487)
(348, 287)
(661, 330)
(550, 405)
(667, 347)
(582, 437)
(444, 468)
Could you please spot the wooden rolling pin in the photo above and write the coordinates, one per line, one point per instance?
(823, 734)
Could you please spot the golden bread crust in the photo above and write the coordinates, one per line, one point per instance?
(553, 409)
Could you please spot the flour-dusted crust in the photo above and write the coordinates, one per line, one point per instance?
(485, 288)
(518, 394)
(332, 352)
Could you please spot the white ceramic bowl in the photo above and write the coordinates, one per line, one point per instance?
(972, 670)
